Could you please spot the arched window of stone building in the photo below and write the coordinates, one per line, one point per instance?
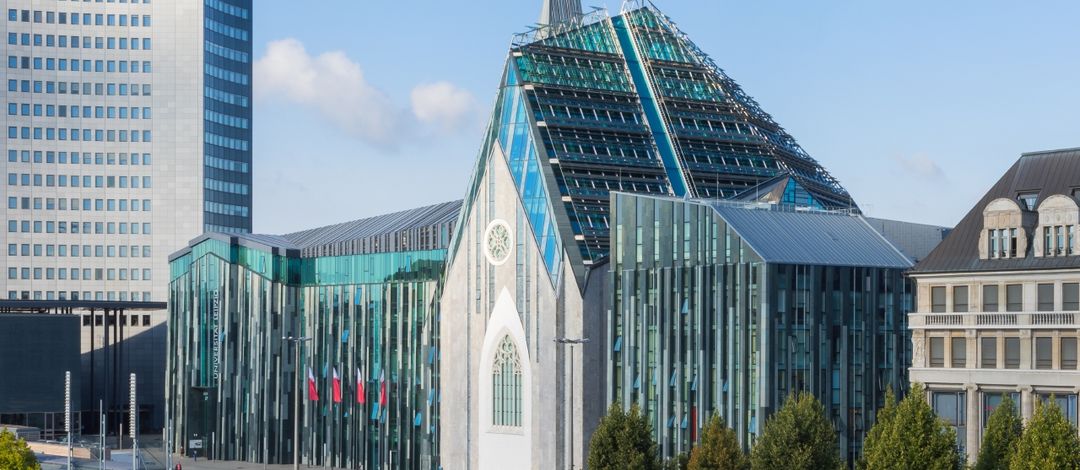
(506, 385)
(1005, 230)
(1056, 233)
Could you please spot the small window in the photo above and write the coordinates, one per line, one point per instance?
(959, 353)
(1070, 296)
(146, 320)
(1046, 297)
(988, 352)
(960, 298)
(937, 299)
(1014, 297)
(1012, 353)
(1028, 200)
(937, 351)
(1012, 243)
(1044, 352)
(1068, 352)
(990, 298)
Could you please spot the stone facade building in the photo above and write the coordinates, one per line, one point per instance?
(999, 300)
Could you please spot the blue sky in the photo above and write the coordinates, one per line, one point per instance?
(369, 106)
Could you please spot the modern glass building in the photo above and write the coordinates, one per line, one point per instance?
(128, 133)
(365, 292)
(727, 308)
(588, 104)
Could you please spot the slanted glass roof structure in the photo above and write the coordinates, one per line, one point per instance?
(595, 103)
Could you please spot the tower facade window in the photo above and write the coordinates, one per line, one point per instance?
(506, 385)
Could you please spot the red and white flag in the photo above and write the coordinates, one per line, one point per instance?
(382, 388)
(337, 387)
(359, 387)
(313, 393)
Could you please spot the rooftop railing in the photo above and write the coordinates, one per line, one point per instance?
(994, 320)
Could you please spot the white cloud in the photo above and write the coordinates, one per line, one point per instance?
(332, 84)
(920, 165)
(442, 104)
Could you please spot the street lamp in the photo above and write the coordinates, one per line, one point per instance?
(571, 342)
(296, 341)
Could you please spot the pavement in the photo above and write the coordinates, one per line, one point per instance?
(203, 464)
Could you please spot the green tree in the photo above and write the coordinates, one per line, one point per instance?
(677, 462)
(1002, 431)
(908, 436)
(797, 436)
(884, 421)
(718, 449)
(15, 454)
(623, 441)
(1048, 441)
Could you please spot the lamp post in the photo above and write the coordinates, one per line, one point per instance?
(296, 341)
(571, 342)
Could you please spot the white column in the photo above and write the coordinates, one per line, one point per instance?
(1027, 403)
(974, 421)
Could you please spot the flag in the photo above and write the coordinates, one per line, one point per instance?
(313, 393)
(382, 388)
(337, 387)
(359, 387)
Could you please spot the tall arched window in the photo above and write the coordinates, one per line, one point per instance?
(506, 385)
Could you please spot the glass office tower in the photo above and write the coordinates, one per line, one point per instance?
(128, 134)
(365, 292)
(727, 308)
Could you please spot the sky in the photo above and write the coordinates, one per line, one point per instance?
(365, 107)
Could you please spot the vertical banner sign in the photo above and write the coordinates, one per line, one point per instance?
(215, 340)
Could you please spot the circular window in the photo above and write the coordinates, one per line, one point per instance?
(497, 242)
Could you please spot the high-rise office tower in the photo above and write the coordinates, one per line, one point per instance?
(128, 134)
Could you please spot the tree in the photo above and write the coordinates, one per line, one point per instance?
(1048, 441)
(678, 462)
(15, 454)
(908, 436)
(876, 435)
(623, 441)
(718, 449)
(1002, 431)
(798, 436)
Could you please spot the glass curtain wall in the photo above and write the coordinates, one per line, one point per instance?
(699, 325)
(372, 318)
